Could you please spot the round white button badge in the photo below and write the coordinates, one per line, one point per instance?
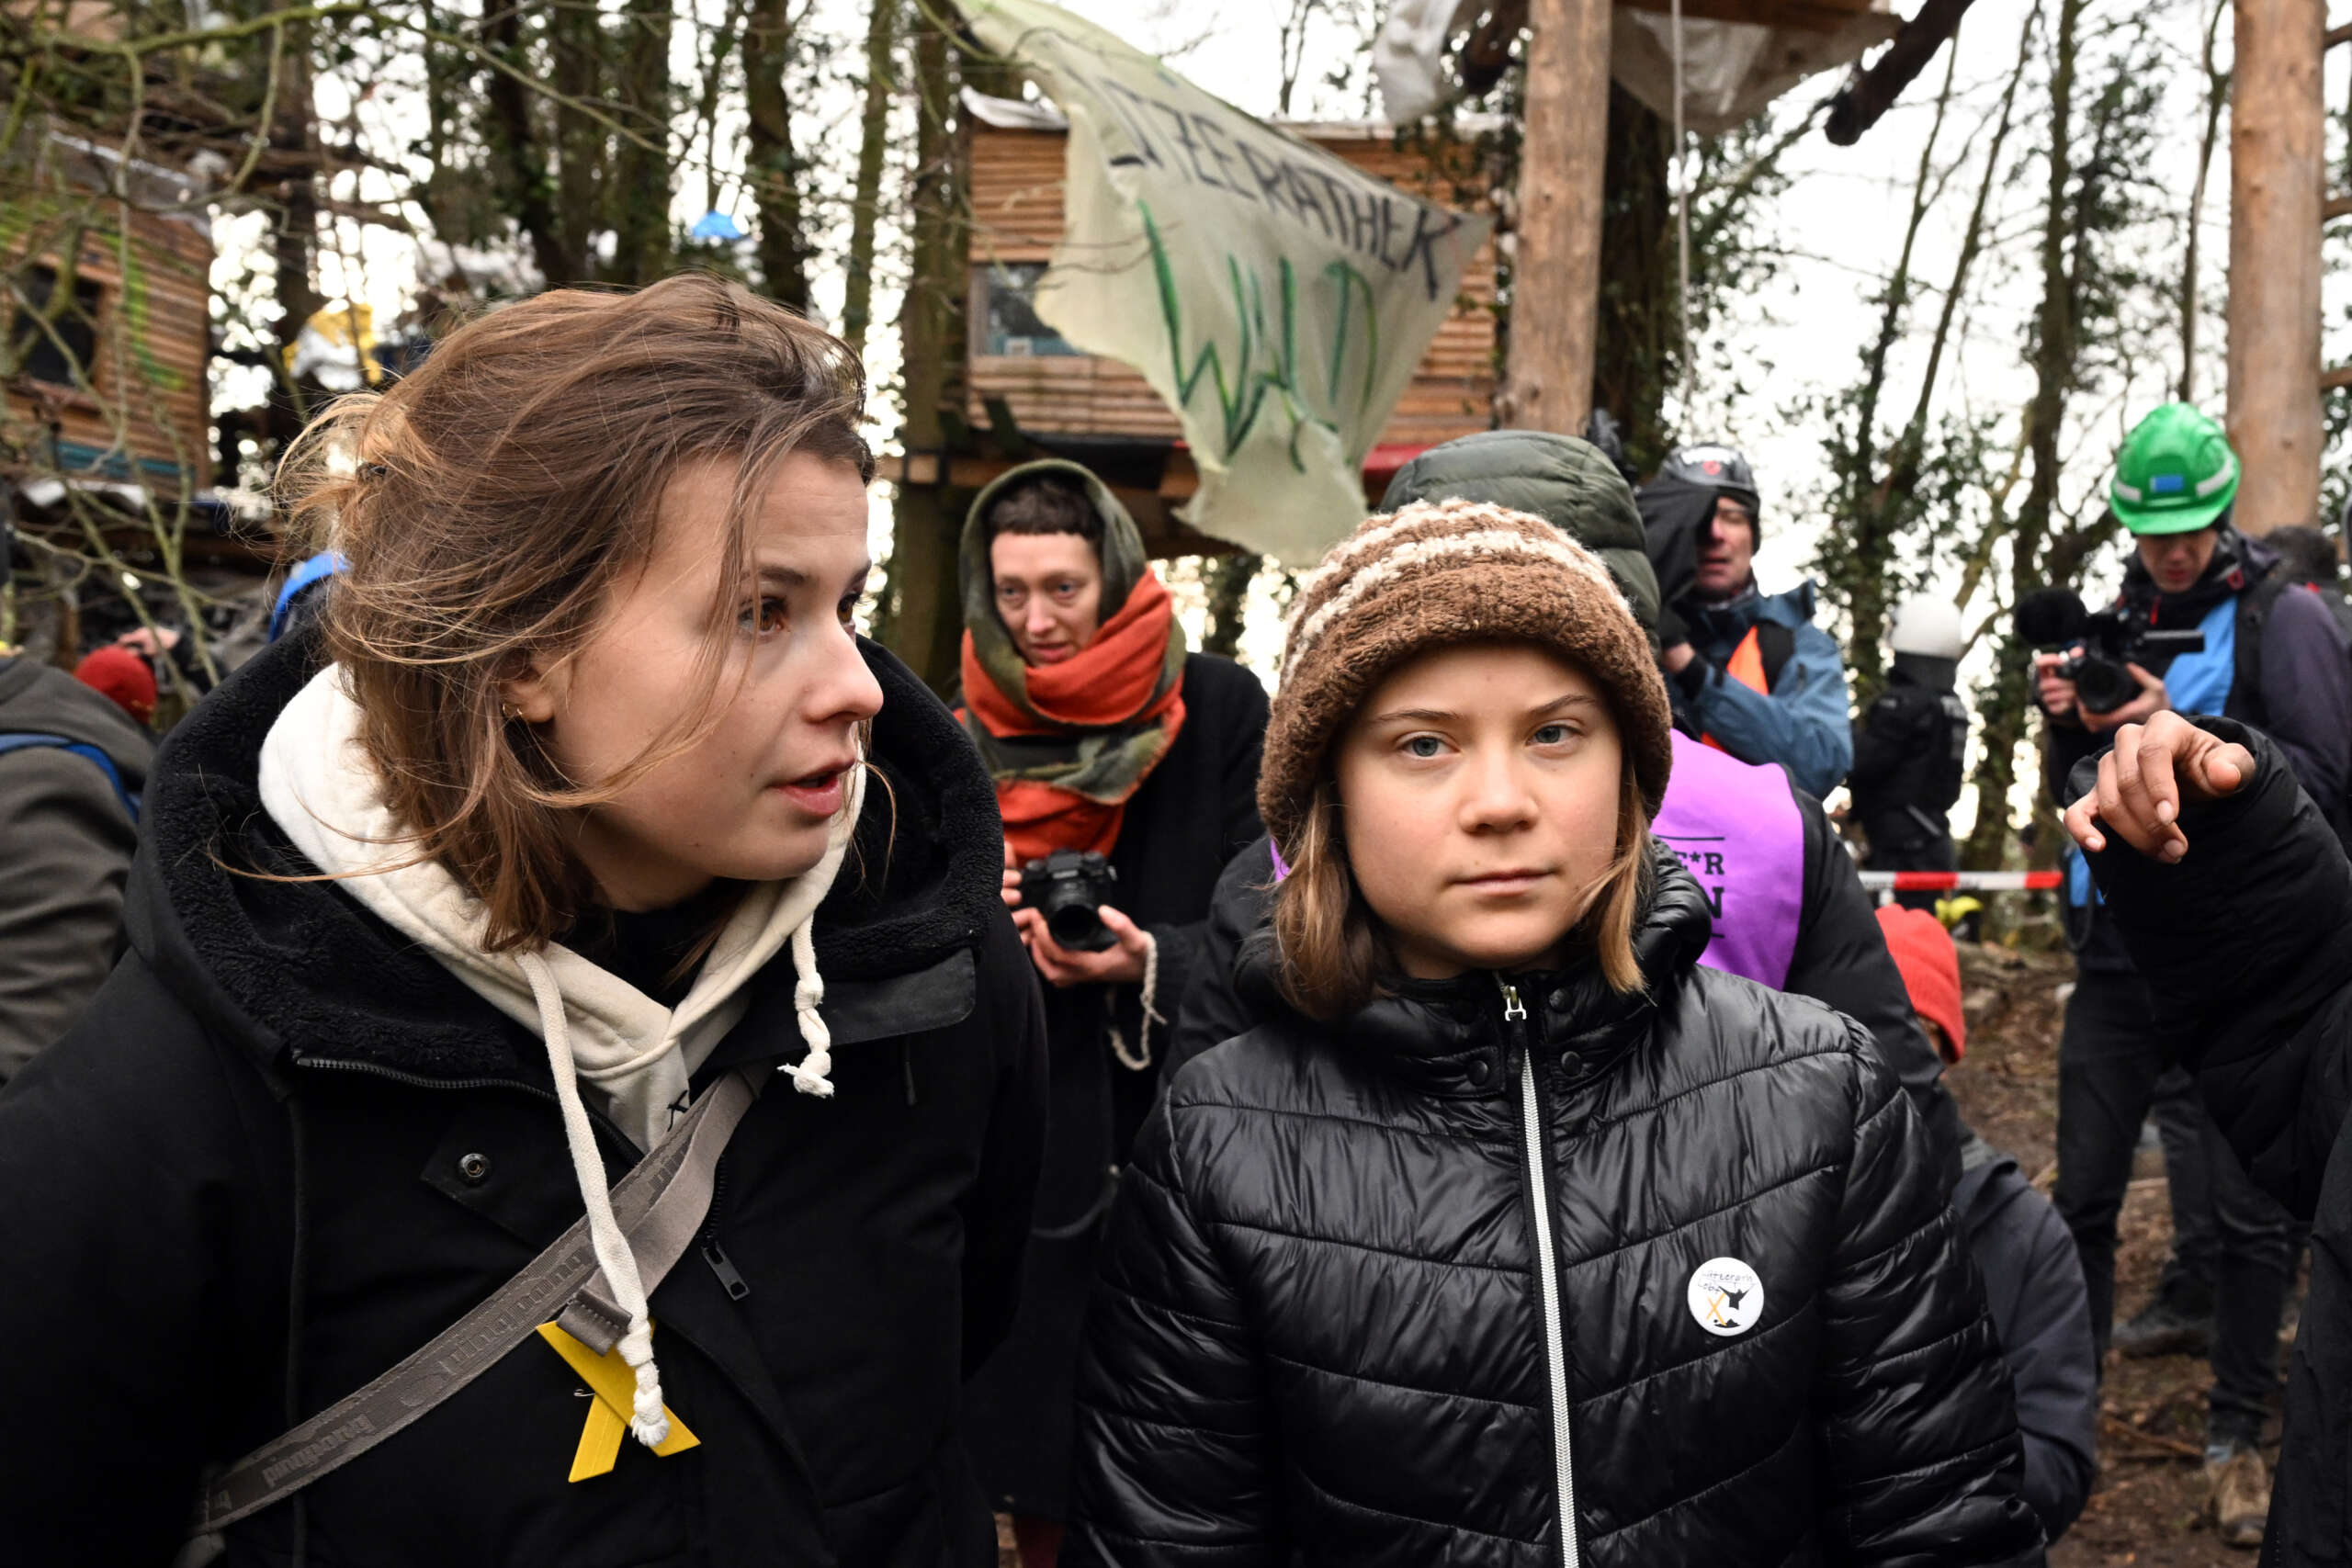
(1726, 1296)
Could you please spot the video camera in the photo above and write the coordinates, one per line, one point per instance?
(2053, 618)
(1067, 887)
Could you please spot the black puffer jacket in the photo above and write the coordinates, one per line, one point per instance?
(279, 1111)
(1840, 960)
(1323, 1335)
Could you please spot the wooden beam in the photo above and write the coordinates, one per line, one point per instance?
(1555, 270)
(1803, 16)
(2341, 375)
(2277, 171)
(1870, 92)
(2334, 207)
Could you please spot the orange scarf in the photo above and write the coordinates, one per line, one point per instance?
(1069, 744)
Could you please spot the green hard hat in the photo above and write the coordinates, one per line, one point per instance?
(2175, 473)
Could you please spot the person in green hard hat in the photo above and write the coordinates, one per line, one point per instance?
(2275, 658)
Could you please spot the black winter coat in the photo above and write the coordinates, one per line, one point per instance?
(1324, 1334)
(1907, 753)
(1181, 825)
(2303, 700)
(2245, 946)
(247, 1183)
(1840, 959)
(2033, 1284)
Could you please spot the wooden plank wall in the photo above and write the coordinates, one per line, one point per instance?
(1017, 217)
(154, 333)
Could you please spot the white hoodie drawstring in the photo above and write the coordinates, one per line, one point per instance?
(648, 1424)
(810, 1076)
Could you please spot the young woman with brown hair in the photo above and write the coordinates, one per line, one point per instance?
(1520, 1238)
(582, 800)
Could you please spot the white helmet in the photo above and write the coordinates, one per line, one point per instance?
(1927, 627)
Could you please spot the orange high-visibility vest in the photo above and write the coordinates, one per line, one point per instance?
(1746, 667)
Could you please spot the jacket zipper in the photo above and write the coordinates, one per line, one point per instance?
(731, 1279)
(1556, 1353)
(417, 1080)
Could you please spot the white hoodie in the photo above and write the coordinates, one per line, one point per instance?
(320, 787)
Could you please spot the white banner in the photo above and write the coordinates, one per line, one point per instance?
(1276, 298)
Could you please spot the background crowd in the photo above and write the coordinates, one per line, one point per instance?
(1160, 849)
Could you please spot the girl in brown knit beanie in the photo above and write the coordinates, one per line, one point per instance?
(1516, 1237)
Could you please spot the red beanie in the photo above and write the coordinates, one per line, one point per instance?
(1931, 966)
(122, 674)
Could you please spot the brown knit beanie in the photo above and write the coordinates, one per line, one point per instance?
(1434, 574)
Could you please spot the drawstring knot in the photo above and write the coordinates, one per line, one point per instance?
(809, 1073)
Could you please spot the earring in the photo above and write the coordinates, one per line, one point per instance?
(509, 712)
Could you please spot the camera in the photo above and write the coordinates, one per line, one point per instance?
(1069, 888)
(2053, 618)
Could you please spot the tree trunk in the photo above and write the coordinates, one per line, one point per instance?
(2003, 703)
(2217, 97)
(1902, 470)
(926, 622)
(1876, 518)
(1556, 269)
(1228, 580)
(2277, 169)
(576, 49)
(771, 162)
(516, 149)
(294, 244)
(1635, 350)
(872, 147)
(641, 168)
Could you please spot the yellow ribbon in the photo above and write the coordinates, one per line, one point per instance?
(614, 1384)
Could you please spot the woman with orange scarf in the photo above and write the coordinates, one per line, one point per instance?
(1104, 736)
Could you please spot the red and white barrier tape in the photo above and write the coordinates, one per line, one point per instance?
(1959, 881)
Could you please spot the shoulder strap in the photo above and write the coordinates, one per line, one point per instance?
(1778, 644)
(2254, 608)
(27, 740)
(660, 1205)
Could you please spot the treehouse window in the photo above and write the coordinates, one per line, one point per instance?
(52, 351)
(1010, 326)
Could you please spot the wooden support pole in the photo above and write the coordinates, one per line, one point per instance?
(1555, 269)
(2277, 173)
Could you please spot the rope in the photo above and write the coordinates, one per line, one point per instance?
(647, 1423)
(1682, 224)
(1139, 1060)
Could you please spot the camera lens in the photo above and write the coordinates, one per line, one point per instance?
(2102, 685)
(1076, 926)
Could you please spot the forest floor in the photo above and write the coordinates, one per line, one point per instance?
(2148, 1509)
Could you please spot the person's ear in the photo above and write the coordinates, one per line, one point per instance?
(535, 694)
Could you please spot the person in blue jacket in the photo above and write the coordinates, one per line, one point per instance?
(1762, 681)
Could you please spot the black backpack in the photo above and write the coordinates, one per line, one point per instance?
(2254, 614)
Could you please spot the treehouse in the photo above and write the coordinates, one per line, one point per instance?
(107, 386)
(1036, 393)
